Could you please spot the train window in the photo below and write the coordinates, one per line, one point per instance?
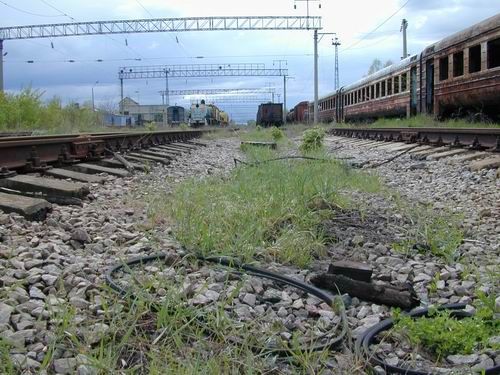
(389, 86)
(404, 82)
(475, 59)
(359, 97)
(377, 90)
(372, 93)
(383, 88)
(493, 53)
(443, 68)
(458, 64)
(396, 84)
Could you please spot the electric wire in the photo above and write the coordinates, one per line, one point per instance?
(75, 20)
(30, 13)
(375, 29)
(174, 38)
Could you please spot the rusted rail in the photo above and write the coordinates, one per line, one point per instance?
(37, 152)
(473, 138)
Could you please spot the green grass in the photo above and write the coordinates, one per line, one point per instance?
(422, 121)
(438, 233)
(263, 211)
(443, 335)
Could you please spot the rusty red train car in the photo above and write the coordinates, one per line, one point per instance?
(459, 74)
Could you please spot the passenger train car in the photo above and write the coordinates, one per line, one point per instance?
(459, 74)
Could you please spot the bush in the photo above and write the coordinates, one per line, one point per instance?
(276, 133)
(312, 140)
(27, 111)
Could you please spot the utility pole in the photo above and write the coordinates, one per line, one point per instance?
(1, 66)
(336, 43)
(93, 102)
(404, 27)
(284, 100)
(279, 62)
(121, 96)
(167, 99)
(316, 89)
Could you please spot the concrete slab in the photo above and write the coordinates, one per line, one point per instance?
(386, 145)
(424, 154)
(446, 154)
(48, 186)
(31, 208)
(401, 148)
(421, 148)
(489, 163)
(93, 168)
(166, 150)
(138, 157)
(159, 153)
(112, 163)
(468, 157)
(185, 145)
(77, 176)
(175, 148)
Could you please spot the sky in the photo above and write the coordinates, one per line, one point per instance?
(353, 21)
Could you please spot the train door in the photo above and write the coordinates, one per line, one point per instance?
(413, 91)
(429, 86)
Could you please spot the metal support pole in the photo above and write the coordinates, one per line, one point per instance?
(167, 96)
(93, 102)
(284, 100)
(316, 90)
(404, 26)
(336, 43)
(1, 66)
(121, 96)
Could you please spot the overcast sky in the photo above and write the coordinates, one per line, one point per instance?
(353, 20)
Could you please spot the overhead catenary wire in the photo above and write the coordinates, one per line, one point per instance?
(75, 20)
(29, 12)
(376, 28)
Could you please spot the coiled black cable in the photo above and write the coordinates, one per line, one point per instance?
(250, 270)
(366, 339)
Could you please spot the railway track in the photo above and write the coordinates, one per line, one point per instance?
(479, 139)
(34, 171)
(480, 147)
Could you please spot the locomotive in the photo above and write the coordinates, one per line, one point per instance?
(459, 74)
(202, 114)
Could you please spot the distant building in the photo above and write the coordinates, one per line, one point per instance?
(143, 113)
(111, 119)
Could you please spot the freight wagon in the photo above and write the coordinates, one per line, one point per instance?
(270, 114)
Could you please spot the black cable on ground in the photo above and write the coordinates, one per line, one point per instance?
(251, 270)
(238, 161)
(367, 338)
(393, 158)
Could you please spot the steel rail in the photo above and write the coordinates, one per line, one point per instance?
(473, 138)
(35, 153)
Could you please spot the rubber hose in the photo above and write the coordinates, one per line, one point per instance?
(238, 267)
(366, 339)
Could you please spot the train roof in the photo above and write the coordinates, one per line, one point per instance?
(400, 65)
(488, 24)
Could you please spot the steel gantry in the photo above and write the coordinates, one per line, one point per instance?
(210, 92)
(196, 71)
(154, 25)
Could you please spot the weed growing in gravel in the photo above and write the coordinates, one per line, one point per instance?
(277, 134)
(428, 231)
(264, 210)
(6, 365)
(312, 140)
(444, 335)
